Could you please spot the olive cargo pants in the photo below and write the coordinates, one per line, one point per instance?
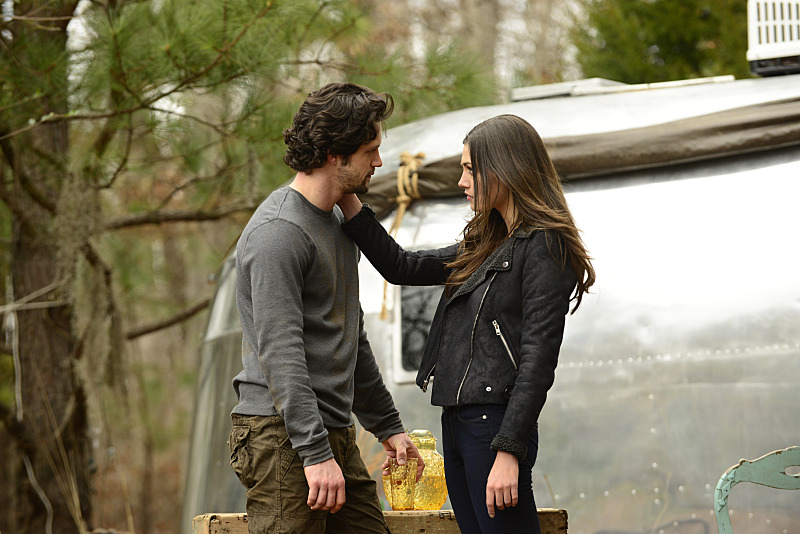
(263, 459)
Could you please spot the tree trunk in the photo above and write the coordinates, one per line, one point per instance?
(51, 439)
(49, 449)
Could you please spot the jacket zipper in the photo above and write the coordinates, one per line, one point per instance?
(503, 339)
(472, 337)
(428, 379)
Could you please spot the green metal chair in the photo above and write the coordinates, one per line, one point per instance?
(769, 470)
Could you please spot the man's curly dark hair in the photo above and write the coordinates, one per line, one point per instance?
(336, 120)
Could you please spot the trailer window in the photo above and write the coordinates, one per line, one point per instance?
(418, 304)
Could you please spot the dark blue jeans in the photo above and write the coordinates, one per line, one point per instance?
(467, 433)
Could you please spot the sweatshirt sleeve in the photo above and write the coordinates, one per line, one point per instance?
(397, 265)
(372, 402)
(276, 257)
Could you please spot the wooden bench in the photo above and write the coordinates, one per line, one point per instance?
(552, 521)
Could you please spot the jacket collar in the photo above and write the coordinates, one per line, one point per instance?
(499, 260)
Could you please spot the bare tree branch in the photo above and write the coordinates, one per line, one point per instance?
(95, 260)
(216, 127)
(152, 160)
(39, 19)
(38, 196)
(197, 180)
(170, 321)
(33, 306)
(25, 100)
(10, 197)
(156, 217)
(124, 163)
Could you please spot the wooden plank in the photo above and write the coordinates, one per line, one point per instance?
(220, 524)
(552, 521)
(422, 522)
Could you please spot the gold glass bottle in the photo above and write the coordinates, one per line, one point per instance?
(400, 485)
(431, 490)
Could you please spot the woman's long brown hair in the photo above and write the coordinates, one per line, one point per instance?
(507, 149)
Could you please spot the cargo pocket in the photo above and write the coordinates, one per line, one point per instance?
(287, 455)
(241, 459)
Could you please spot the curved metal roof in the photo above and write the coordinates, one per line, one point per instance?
(627, 128)
(440, 136)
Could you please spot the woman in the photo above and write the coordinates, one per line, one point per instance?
(495, 337)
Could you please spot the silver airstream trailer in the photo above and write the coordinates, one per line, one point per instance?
(686, 356)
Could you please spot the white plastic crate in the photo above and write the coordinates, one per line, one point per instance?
(773, 33)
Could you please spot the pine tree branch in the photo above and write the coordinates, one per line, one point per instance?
(227, 169)
(121, 77)
(143, 104)
(170, 321)
(157, 217)
(309, 24)
(222, 53)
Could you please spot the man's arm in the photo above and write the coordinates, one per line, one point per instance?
(275, 259)
(374, 407)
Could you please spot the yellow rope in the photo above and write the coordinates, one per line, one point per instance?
(407, 186)
(407, 191)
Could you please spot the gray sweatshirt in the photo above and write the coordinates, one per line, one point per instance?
(305, 352)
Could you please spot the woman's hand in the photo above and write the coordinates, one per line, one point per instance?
(502, 487)
(350, 205)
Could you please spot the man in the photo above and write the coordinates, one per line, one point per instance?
(307, 362)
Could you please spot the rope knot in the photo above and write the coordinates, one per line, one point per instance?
(407, 192)
(408, 177)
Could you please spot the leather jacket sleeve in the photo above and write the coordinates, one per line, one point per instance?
(397, 265)
(546, 290)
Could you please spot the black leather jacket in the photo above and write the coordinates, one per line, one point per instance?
(496, 339)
